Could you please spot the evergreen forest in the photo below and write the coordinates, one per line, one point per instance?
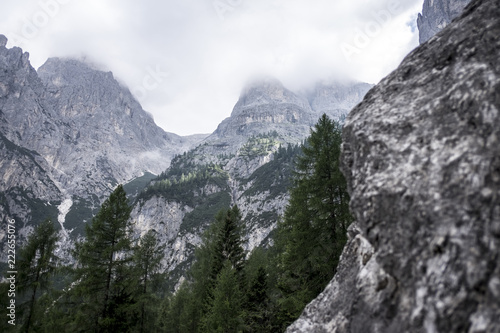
(117, 283)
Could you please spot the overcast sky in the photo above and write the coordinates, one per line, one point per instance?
(186, 61)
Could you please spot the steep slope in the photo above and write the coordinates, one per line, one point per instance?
(106, 133)
(437, 14)
(247, 161)
(421, 155)
(28, 193)
(68, 135)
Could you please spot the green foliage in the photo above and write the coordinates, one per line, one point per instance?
(80, 212)
(275, 175)
(260, 145)
(312, 234)
(103, 273)
(37, 263)
(224, 314)
(184, 187)
(134, 187)
(228, 246)
(219, 263)
(205, 210)
(146, 263)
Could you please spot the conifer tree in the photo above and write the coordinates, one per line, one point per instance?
(257, 316)
(37, 264)
(196, 307)
(225, 313)
(228, 245)
(103, 272)
(147, 259)
(313, 231)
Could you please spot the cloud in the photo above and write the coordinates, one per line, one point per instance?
(205, 50)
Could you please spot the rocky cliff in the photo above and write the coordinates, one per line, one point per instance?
(437, 14)
(421, 154)
(68, 135)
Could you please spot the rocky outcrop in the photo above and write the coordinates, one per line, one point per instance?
(421, 155)
(265, 106)
(437, 14)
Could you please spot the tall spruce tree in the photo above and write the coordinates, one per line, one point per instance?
(37, 265)
(103, 275)
(228, 245)
(147, 262)
(225, 312)
(257, 303)
(312, 234)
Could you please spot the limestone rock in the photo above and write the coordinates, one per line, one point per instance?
(437, 14)
(421, 155)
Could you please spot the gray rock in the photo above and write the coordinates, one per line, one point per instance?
(3, 40)
(70, 132)
(421, 155)
(265, 106)
(437, 14)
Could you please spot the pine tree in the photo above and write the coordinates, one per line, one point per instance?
(37, 265)
(147, 262)
(228, 245)
(257, 303)
(225, 313)
(313, 232)
(192, 307)
(103, 272)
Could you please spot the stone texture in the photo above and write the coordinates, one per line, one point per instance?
(421, 155)
(437, 14)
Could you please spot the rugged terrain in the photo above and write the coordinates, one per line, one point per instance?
(421, 155)
(70, 133)
(247, 161)
(67, 136)
(437, 14)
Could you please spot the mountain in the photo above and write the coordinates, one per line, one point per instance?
(69, 134)
(247, 161)
(437, 14)
(421, 156)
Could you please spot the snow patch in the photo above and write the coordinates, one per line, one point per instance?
(64, 208)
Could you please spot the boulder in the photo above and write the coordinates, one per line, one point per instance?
(421, 155)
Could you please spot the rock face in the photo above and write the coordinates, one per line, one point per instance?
(106, 133)
(68, 135)
(437, 14)
(421, 154)
(267, 106)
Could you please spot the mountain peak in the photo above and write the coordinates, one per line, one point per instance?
(266, 91)
(64, 71)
